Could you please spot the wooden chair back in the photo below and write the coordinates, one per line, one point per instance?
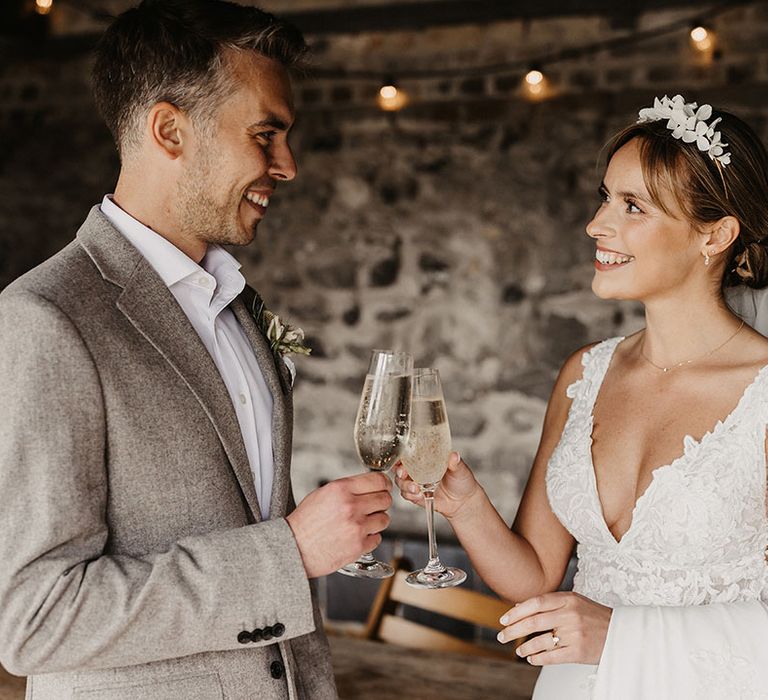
(386, 625)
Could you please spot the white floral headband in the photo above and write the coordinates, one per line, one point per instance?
(688, 121)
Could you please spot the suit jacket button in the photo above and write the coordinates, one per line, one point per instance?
(278, 630)
(257, 635)
(244, 637)
(266, 633)
(276, 668)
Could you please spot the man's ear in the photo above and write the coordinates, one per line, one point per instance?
(167, 129)
(722, 234)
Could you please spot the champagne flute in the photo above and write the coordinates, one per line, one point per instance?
(381, 429)
(426, 458)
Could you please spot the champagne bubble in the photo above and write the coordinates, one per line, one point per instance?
(381, 427)
(429, 442)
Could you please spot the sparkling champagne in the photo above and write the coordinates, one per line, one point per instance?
(381, 427)
(429, 443)
(426, 458)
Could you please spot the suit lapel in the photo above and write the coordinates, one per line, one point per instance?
(278, 380)
(149, 305)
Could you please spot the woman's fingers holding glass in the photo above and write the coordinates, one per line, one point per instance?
(404, 481)
(455, 462)
(409, 489)
(458, 477)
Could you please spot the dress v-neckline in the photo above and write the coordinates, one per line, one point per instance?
(689, 443)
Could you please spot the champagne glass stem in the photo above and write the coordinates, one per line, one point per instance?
(366, 558)
(434, 565)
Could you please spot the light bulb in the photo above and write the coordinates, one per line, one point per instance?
(534, 77)
(535, 85)
(703, 39)
(699, 34)
(391, 98)
(43, 7)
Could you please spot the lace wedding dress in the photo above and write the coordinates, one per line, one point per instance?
(688, 581)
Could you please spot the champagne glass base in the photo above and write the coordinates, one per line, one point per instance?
(376, 569)
(451, 576)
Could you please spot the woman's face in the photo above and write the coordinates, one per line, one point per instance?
(642, 253)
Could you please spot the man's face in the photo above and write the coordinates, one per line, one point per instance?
(236, 163)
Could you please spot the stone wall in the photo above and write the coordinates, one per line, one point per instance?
(454, 230)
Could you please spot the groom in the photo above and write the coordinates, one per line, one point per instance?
(149, 543)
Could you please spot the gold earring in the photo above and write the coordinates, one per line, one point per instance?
(706, 257)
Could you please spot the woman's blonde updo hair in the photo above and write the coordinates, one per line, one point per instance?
(706, 190)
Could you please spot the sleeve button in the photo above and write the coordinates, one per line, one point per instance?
(244, 637)
(276, 669)
(278, 630)
(257, 635)
(266, 633)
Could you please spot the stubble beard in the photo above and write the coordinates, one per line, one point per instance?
(201, 216)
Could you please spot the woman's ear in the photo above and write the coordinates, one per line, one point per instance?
(721, 235)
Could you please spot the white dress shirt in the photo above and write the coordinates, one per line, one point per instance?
(204, 293)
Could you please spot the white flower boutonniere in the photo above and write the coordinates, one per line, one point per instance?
(283, 338)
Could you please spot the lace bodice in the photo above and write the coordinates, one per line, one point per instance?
(698, 533)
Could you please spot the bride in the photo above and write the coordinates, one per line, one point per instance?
(652, 460)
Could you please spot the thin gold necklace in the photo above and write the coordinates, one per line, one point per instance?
(693, 359)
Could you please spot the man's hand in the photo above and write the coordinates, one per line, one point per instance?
(574, 629)
(338, 522)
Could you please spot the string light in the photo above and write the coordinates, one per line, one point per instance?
(702, 38)
(391, 98)
(388, 92)
(43, 7)
(699, 33)
(535, 84)
(569, 53)
(534, 78)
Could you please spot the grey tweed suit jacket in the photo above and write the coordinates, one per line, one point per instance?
(132, 552)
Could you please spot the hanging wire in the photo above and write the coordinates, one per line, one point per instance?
(91, 8)
(522, 64)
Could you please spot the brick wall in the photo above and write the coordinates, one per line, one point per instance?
(454, 229)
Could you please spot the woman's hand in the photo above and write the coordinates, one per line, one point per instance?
(457, 487)
(574, 629)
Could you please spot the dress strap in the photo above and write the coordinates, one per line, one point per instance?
(595, 363)
(752, 408)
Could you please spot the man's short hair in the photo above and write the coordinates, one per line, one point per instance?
(174, 51)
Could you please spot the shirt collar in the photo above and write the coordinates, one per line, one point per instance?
(173, 266)
(165, 258)
(225, 270)
(218, 262)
